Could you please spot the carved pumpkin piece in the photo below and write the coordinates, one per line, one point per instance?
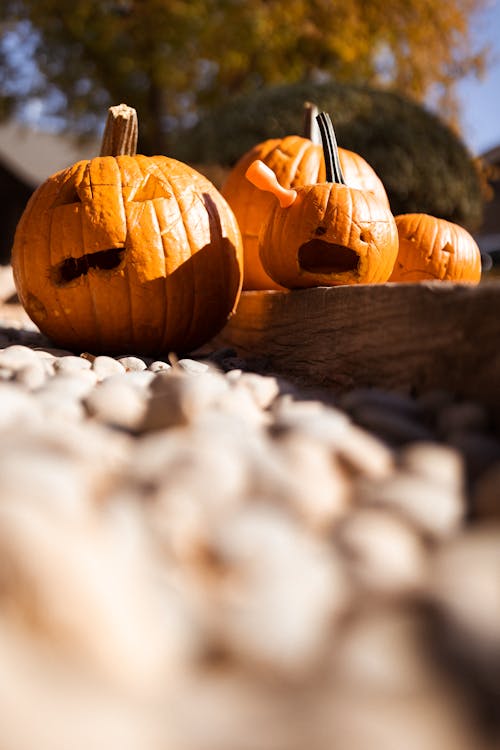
(128, 253)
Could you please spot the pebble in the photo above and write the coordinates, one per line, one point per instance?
(464, 416)
(70, 364)
(159, 366)
(192, 366)
(438, 511)
(463, 584)
(384, 556)
(132, 363)
(178, 397)
(32, 375)
(138, 378)
(264, 390)
(104, 366)
(59, 406)
(119, 405)
(70, 385)
(16, 405)
(17, 356)
(364, 454)
(440, 464)
(394, 427)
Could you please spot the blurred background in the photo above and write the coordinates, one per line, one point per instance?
(411, 85)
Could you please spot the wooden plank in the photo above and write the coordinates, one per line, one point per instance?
(412, 337)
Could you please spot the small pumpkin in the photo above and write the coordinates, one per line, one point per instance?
(296, 161)
(432, 248)
(128, 253)
(326, 233)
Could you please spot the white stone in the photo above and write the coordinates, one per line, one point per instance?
(104, 366)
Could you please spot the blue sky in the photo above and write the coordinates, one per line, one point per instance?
(480, 100)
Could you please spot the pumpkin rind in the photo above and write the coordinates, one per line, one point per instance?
(296, 161)
(128, 254)
(432, 248)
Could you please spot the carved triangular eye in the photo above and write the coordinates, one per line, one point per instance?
(149, 189)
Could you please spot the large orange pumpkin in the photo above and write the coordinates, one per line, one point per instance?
(295, 161)
(128, 253)
(432, 248)
(326, 233)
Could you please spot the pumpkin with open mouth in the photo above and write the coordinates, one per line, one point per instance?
(128, 253)
(327, 233)
(296, 161)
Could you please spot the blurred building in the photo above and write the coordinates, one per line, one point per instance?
(27, 158)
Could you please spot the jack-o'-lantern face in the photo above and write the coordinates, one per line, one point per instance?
(330, 235)
(128, 253)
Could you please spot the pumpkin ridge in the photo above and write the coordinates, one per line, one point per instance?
(72, 175)
(88, 286)
(183, 212)
(128, 228)
(164, 297)
(194, 307)
(19, 269)
(376, 250)
(296, 156)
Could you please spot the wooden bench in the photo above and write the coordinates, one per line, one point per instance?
(412, 337)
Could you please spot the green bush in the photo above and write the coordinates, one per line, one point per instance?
(423, 164)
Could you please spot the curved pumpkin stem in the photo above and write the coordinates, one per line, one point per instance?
(330, 149)
(121, 132)
(260, 175)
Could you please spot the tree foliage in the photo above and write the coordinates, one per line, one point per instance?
(423, 164)
(175, 59)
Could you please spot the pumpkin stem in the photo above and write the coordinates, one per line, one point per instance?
(330, 149)
(121, 132)
(310, 126)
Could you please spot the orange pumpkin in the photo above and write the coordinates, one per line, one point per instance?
(128, 253)
(325, 234)
(432, 248)
(295, 161)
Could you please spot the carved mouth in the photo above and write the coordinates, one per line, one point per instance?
(318, 256)
(72, 268)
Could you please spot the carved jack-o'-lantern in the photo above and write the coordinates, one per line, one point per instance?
(435, 249)
(295, 161)
(128, 253)
(325, 234)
